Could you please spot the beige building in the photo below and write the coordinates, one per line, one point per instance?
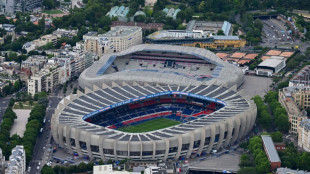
(119, 38)
(304, 135)
(290, 99)
(43, 40)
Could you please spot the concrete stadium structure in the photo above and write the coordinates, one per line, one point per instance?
(123, 79)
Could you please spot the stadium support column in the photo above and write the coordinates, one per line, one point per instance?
(115, 152)
(242, 129)
(167, 149)
(212, 138)
(77, 142)
(177, 156)
(222, 132)
(141, 148)
(88, 141)
(202, 139)
(60, 133)
(230, 126)
(154, 150)
(237, 129)
(68, 140)
(101, 148)
(191, 144)
(248, 123)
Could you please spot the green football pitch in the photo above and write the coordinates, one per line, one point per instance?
(151, 125)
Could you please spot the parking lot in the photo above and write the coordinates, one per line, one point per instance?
(275, 31)
(256, 85)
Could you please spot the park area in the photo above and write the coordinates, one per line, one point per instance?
(20, 122)
(150, 125)
(25, 105)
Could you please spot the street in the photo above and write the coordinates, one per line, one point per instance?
(43, 139)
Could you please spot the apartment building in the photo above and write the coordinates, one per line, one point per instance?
(304, 135)
(291, 99)
(31, 66)
(17, 161)
(43, 40)
(13, 6)
(59, 70)
(119, 38)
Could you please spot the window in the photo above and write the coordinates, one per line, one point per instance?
(83, 145)
(94, 148)
(207, 141)
(173, 149)
(185, 147)
(108, 151)
(216, 137)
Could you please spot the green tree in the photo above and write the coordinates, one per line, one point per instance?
(47, 170)
(277, 136)
(49, 4)
(247, 170)
(220, 32)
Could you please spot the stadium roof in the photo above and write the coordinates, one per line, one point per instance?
(270, 149)
(84, 104)
(271, 63)
(223, 72)
(226, 37)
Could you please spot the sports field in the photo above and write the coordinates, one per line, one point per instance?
(151, 125)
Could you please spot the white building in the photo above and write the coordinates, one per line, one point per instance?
(270, 66)
(45, 80)
(107, 169)
(17, 161)
(151, 170)
(59, 70)
(2, 162)
(29, 46)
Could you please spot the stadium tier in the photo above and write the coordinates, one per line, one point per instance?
(165, 64)
(119, 116)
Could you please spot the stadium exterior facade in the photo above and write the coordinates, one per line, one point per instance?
(106, 88)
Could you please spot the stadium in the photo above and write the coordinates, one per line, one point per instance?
(154, 102)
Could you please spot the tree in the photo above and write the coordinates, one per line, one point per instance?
(220, 32)
(245, 161)
(31, 103)
(277, 136)
(47, 170)
(291, 64)
(139, 18)
(49, 4)
(21, 105)
(75, 91)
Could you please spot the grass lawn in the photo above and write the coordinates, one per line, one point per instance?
(52, 11)
(172, 6)
(151, 125)
(25, 105)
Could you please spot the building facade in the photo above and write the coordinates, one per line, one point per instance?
(13, 6)
(119, 38)
(302, 78)
(17, 161)
(271, 152)
(304, 135)
(290, 99)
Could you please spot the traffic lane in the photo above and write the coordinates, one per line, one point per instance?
(4, 102)
(42, 138)
(53, 101)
